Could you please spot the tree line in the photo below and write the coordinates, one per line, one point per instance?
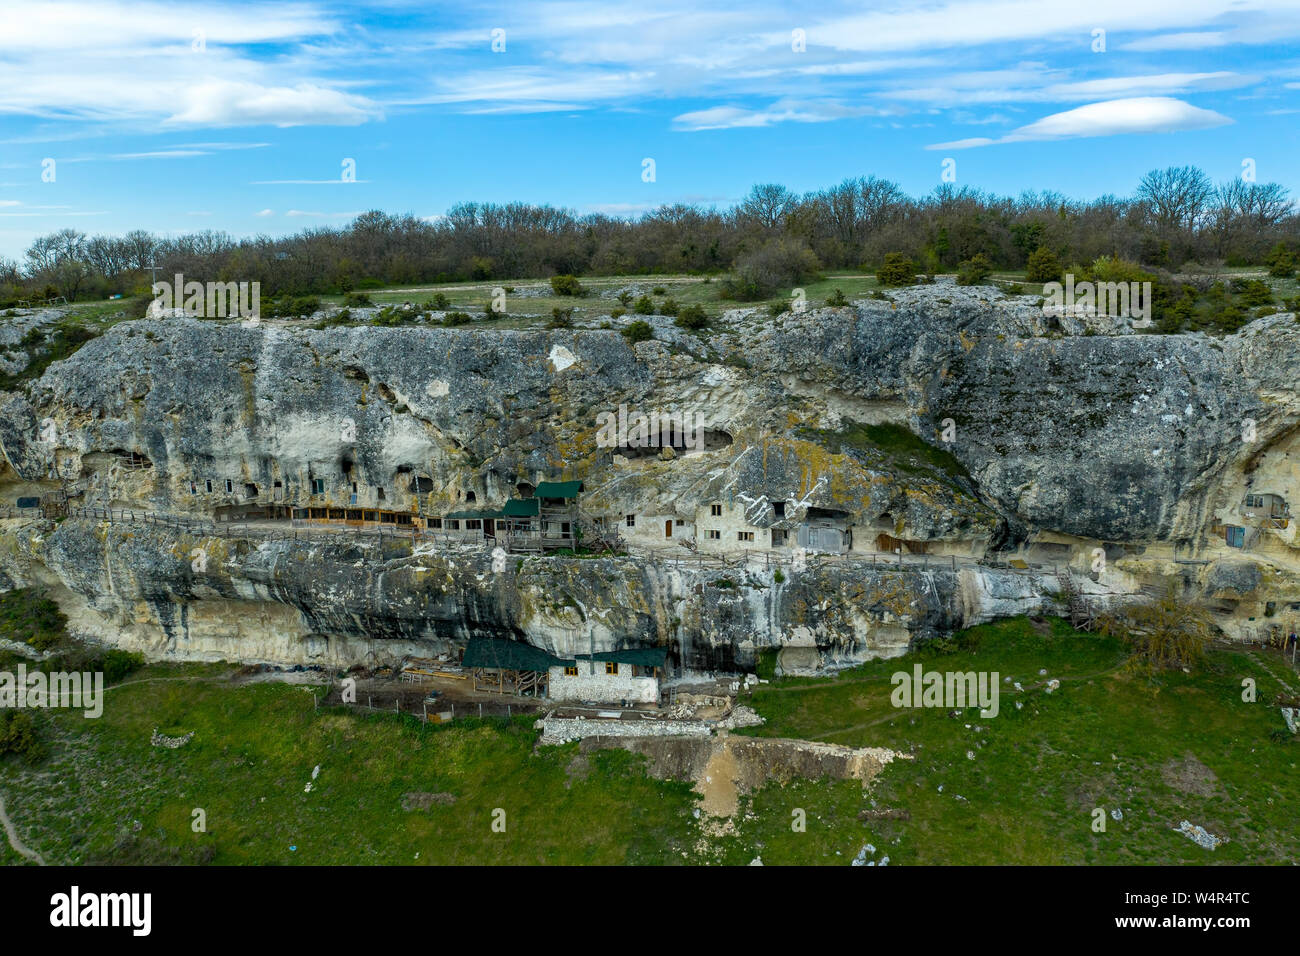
(1177, 219)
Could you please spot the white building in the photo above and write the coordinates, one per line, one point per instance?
(610, 677)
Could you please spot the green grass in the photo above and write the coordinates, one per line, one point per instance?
(897, 445)
(1109, 737)
(121, 800)
(533, 312)
(31, 618)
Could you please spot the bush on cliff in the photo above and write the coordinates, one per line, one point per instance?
(898, 270)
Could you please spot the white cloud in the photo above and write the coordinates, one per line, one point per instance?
(1177, 41)
(228, 103)
(785, 111)
(1143, 114)
(266, 212)
(143, 63)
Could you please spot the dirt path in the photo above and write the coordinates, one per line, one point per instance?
(19, 847)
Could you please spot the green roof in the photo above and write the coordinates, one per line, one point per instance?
(509, 655)
(641, 656)
(474, 514)
(558, 489)
(521, 508)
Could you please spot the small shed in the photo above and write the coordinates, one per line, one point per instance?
(512, 666)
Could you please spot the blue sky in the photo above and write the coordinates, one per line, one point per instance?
(182, 116)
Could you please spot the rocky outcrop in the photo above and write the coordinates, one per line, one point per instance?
(955, 421)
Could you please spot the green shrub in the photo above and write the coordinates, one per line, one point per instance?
(456, 318)
(395, 315)
(644, 306)
(898, 270)
(560, 319)
(566, 285)
(625, 298)
(30, 616)
(638, 331)
(1281, 262)
(289, 307)
(777, 264)
(1043, 266)
(617, 313)
(1253, 292)
(357, 300)
(18, 736)
(117, 664)
(668, 307)
(836, 299)
(691, 317)
(658, 290)
(975, 270)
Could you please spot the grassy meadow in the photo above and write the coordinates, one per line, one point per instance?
(1018, 788)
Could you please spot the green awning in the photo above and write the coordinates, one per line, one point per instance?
(509, 655)
(558, 489)
(521, 508)
(640, 656)
(473, 514)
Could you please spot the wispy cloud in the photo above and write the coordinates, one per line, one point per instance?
(729, 117)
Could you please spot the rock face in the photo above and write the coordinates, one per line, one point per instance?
(953, 422)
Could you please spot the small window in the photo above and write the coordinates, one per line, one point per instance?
(778, 508)
(744, 536)
(571, 670)
(194, 487)
(631, 521)
(230, 486)
(715, 510)
(381, 494)
(207, 484)
(318, 486)
(354, 487)
(611, 667)
(470, 496)
(714, 535)
(453, 525)
(473, 524)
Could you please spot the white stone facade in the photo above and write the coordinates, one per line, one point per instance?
(592, 683)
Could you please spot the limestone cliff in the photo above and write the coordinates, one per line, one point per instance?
(957, 424)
